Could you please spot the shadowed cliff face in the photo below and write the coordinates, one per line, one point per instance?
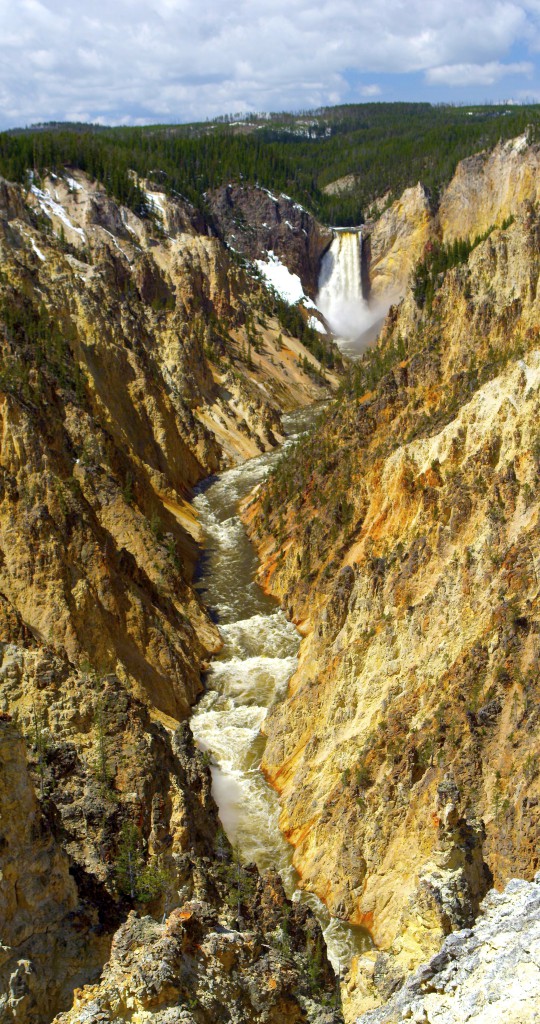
(402, 538)
(254, 221)
(42, 918)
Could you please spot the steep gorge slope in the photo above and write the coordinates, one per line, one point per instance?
(486, 974)
(125, 380)
(255, 221)
(486, 189)
(403, 539)
(136, 357)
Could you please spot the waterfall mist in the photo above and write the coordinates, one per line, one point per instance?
(355, 321)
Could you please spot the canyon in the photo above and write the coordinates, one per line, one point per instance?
(143, 354)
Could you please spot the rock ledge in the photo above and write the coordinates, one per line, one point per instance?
(483, 975)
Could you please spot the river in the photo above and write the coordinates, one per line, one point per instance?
(251, 672)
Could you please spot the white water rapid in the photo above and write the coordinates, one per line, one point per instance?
(354, 320)
(251, 672)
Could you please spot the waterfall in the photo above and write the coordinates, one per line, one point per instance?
(340, 297)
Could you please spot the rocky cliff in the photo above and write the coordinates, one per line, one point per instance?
(198, 969)
(402, 538)
(486, 189)
(255, 221)
(43, 919)
(75, 862)
(136, 359)
(396, 241)
(137, 355)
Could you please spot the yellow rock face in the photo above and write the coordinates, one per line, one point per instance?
(408, 557)
(150, 382)
(485, 190)
(488, 188)
(396, 243)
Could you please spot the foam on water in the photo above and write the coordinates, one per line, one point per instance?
(265, 635)
(252, 671)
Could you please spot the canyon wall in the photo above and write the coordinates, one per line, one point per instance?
(402, 538)
(133, 364)
(255, 221)
(485, 974)
(486, 189)
(137, 356)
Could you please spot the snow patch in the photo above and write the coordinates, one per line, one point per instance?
(119, 247)
(156, 201)
(125, 222)
(74, 185)
(268, 194)
(517, 145)
(37, 251)
(50, 207)
(287, 285)
(317, 325)
(520, 144)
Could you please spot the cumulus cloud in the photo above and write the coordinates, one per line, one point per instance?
(477, 74)
(141, 60)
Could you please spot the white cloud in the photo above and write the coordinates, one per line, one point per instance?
(370, 90)
(477, 74)
(181, 59)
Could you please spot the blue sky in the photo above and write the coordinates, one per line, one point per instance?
(140, 61)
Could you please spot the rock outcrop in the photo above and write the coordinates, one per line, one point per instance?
(44, 921)
(254, 221)
(486, 974)
(193, 968)
(489, 187)
(486, 190)
(395, 243)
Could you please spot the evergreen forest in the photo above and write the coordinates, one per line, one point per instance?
(384, 147)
